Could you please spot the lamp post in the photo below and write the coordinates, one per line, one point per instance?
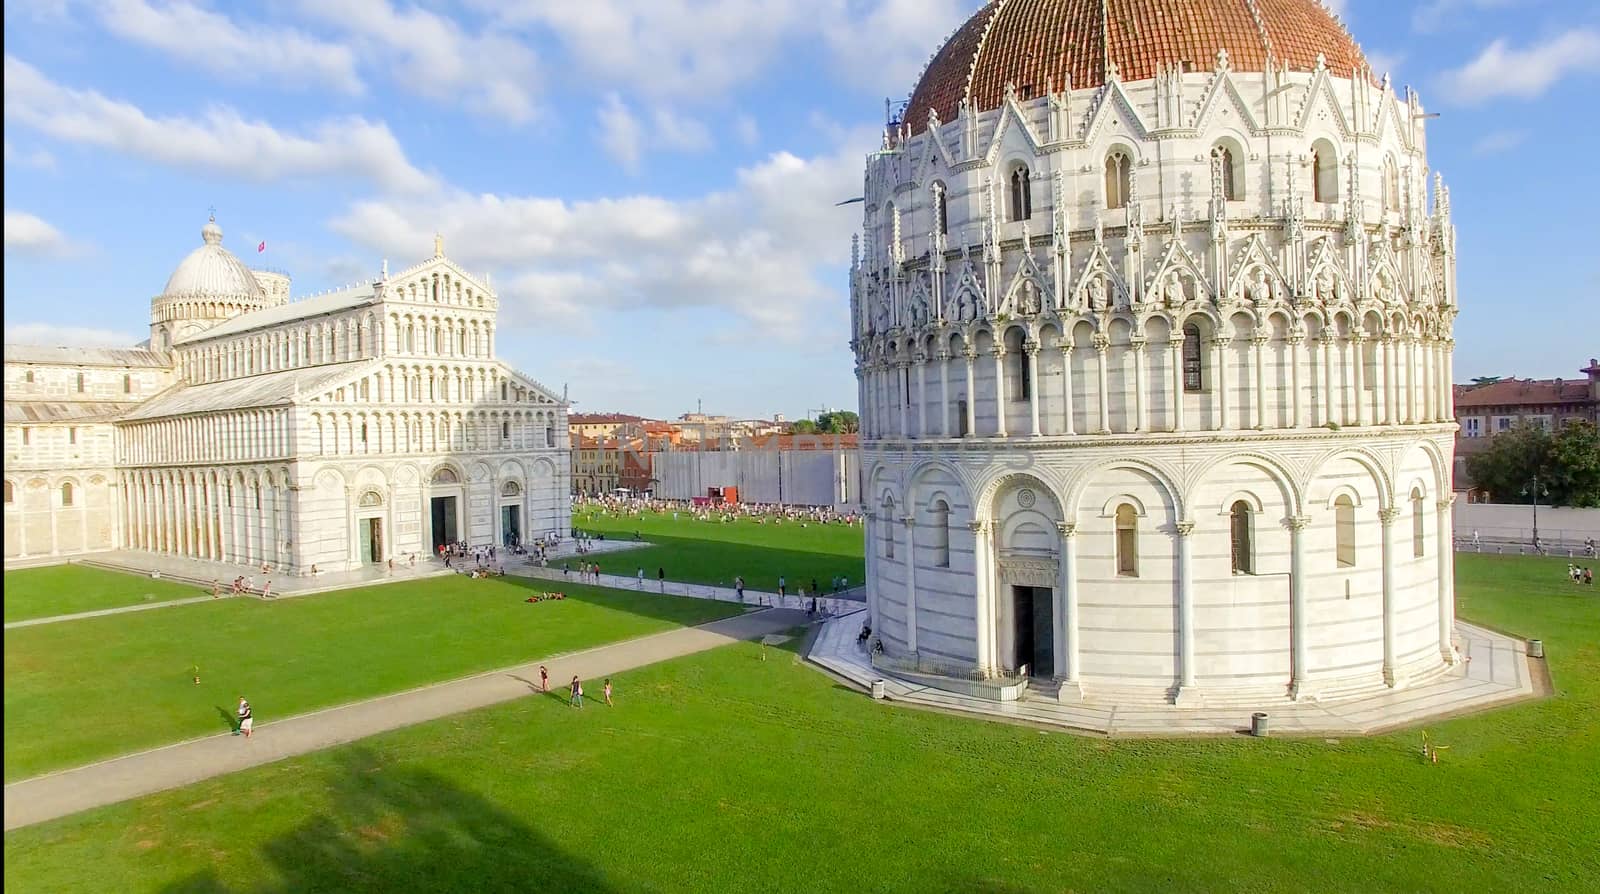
(1534, 490)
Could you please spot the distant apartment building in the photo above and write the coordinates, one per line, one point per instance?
(1484, 411)
(798, 470)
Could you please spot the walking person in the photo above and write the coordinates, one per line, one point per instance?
(641, 577)
(544, 679)
(244, 718)
(661, 577)
(216, 588)
(577, 692)
(607, 692)
(266, 589)
(738, 587)
(781, 585)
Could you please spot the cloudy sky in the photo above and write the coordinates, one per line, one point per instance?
(651, 183)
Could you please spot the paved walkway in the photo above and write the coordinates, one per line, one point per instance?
(848, 601)
(108, 782)
(1496, 671)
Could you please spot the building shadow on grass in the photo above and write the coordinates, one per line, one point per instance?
(401, 829)
(647, 603)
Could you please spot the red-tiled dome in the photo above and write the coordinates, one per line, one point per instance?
(1034, 42)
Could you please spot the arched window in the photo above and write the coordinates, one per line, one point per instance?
(1344, 531)
(505, 391)
(941, 533)
(364, 389)
(961, 417)
(66, 493)
(127, 384)
(942, 208)
(1021, 193)
(887, 523)
(80, 383)
(411, 343)
(1417, 535)
(1391, 185)
(9, 495)
(363, 433)
(549, 436)
(1193, 359)
(1244, 553)
(1222, 158)
(1117, 173)
(505, 431)
(1127, 541)
(1325, 174)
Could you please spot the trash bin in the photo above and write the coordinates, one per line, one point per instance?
(1258, 724)
(878, 690)
(1535, 648)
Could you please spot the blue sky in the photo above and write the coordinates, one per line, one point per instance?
(651, 183)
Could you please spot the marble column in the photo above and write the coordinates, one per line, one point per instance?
(1358, 348)
(1258, 344)
(1102, 345)
(1186, 675)
(1067, 427)
(999, 390)
(1177, 383)
(1448, 396)
(1067, 664)
(944, 393)
(982, 594)
(1296, 339)
(1386, 517)
(1141, 408)
(910, 523)
(1387, 392)
(1219, 347)
(1327, 379)
(1299, 648)
(1032, 350)
(921, 402)
(971, 356)
(902, 374)
(1445, 546)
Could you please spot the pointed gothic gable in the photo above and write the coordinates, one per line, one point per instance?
(545, 396)
(1112, 98)
(1222, 92)
(1320, 95)
(442, 264)
(966, 300)
(1099, 285)
(918, 306)
(1326, 274)
(1389, 120)
(1019, 299)
(1241, 273)
(1383, 274)
(1177, 259)
(1011, 129)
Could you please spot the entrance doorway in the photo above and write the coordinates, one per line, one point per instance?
(444, 522)
(510, 525)
(372, 540)
(1035, 632)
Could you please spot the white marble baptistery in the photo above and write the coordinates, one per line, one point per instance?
(1152, 327)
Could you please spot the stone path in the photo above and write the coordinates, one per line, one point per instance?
(65, 792)
(849, 601)
(1496, 671)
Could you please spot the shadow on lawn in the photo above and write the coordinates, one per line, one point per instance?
(399, 829)
(229, 718)
(715, 561)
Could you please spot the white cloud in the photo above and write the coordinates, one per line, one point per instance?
(761, 250)
(221, 141)
(214, 43)
(433, 56)
(1385, 63)
(1435, 14)
(1499, 141)
(748, 131)
(886, 49)
(79, 336)
(38, 158)
(620, 134)
(32, 235)
(1501, 71)
(680, 132)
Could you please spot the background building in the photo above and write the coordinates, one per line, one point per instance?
(345, 429)
(1485, 410)
(1152, 324)
(798, 470)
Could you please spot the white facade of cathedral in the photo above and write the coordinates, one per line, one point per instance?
(346, 429)
(1155, 386)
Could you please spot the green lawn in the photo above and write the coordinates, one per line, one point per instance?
(721, 772)
(68, 589)
(81, 690)
(715, 553)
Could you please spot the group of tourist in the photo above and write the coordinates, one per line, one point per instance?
(588, 572)
(545, 597)
(761, 513)
(1580, 574)
(243, 585)
(574, 689)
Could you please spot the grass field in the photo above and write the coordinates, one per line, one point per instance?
(715, 553)
(81, 690)
(68, 589)
(721, 772)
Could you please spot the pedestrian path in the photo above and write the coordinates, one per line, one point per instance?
(58, 794)
(827, 605)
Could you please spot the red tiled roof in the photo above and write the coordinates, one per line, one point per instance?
(1032, 43)
(600, 418)
(1515, 392)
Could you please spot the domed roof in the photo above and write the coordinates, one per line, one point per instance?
(1032, 43)
(213, 271)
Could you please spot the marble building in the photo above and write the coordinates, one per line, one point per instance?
(1152, 321)
(344, 429)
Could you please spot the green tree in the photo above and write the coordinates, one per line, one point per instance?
(803, 427)
(1485, 380)
(839, 422)
(1575, 465)
(1510, 461)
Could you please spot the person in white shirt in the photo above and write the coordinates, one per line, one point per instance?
(245, 717)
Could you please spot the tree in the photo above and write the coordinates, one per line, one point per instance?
(803, 427)
(1485, 380)
(839, 422)
(1567, 464)
(1575, 465)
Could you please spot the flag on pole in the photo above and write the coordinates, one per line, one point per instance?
(261, 248)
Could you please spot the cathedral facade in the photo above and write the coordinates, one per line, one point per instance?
(349, 428)
(1152, 322)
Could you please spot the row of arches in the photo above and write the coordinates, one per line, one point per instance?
(438, 287)
(1158, 373)
(61, 514)
(345, 433)
(440, 336)
(230, 436)
(241, 516)
(409, 383)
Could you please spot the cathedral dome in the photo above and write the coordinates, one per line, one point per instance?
(212, 271)
(1037, 43)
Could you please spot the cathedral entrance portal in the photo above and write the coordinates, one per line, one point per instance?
(444, 522)
(510, 525)
(1035, 632)
(372, 540)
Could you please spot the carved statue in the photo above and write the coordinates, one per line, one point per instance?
(1173, 293)
(1028, 299)
(1097, 293)
(1326, 291)
(1259, 291)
